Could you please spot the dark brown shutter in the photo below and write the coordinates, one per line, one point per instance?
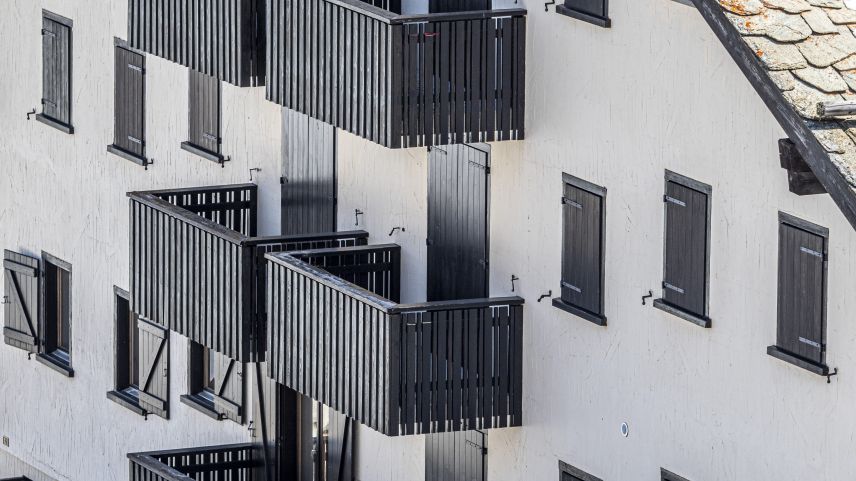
(204, 115)
(455, 456)
(154, 368)
(340, 447)
(228, 387)
(801, 293)
(21, 297)
(685, 270)
(308, 174)
(582, 253)
(129, 128)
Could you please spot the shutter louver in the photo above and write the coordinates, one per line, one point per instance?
(582, 256)
(154, 368)
(229, 388)
(204, 114)
(801, 293)
(21, 298)
(685, 271)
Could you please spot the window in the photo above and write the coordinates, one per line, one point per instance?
(56, 72)
(583, 215)
(801, 330)
(570, 473)
(666, 475)
(55, 349)
(127, 353)
(215, 384)
(591, 11)
(332, 443)
(686, 250)
(204, 117)
(129, 129)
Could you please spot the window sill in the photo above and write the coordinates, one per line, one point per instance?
(593, 318)
(677, 311)
(200, 404)
(127, 400)
(205, 154)
(115, 150)
(604, 22)
(56, 364)
(811, 366)
(68, 129)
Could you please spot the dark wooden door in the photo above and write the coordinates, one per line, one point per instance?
(308, 174)
(458, 199)
(456, 456)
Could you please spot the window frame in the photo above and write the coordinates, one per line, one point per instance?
(565, 468)
(774, 350)
(188, 145)
(585, 15)
(125, 392)
(51, 354)
(660, 303)
(599, 191)
(114, 149)
(198, 396)
(67, 128)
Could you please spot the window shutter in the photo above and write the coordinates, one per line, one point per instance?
(685, 271)
(582, 252)
(204, 115)
(129, 119)
(56, 71)
(154, 368)
(229, 388)
(801, 293)
(21, 297)
(340, 446)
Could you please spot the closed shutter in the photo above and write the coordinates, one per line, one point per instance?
(801, 293)
(154, 368)
(685, 270)
(129, 128)
(340, 447)
(21, 297)
(455, 456)
(582, 254)
(309, 184)
(56, 71)
(229, 387)
(204, 115)
(597, 8)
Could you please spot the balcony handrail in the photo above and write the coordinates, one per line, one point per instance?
(197, 190)
(153, 461)
(433, 306)
(330, 280)
(391, 18)
(294, 238)
(151, 199)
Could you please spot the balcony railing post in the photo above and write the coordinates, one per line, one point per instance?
(392, 401)
(395, 86)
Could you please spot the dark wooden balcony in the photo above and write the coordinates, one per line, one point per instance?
(234, 462)
(399, 80)
(197, 267)
(337, 335)
(222, 39)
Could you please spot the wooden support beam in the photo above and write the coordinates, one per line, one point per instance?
(839, 108)
(801, 179)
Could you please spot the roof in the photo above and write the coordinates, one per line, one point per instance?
(798, 53)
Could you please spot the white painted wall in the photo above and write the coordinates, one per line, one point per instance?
(616, 107)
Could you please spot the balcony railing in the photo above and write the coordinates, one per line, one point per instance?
(235, 462)
(399, 80)
(198, 269)
(397, 368)
(223, 39)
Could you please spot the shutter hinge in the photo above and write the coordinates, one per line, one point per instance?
(572, 203)
(136, 68)
(46, 101)
(812, 252)
(429, 242)
(211, 137)
(135, 140)
(572, 287)
(283, 180)
(484, 263)
(671, 287)
(675, 201)
(48, 33)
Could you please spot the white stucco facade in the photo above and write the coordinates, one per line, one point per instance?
(616, 107)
